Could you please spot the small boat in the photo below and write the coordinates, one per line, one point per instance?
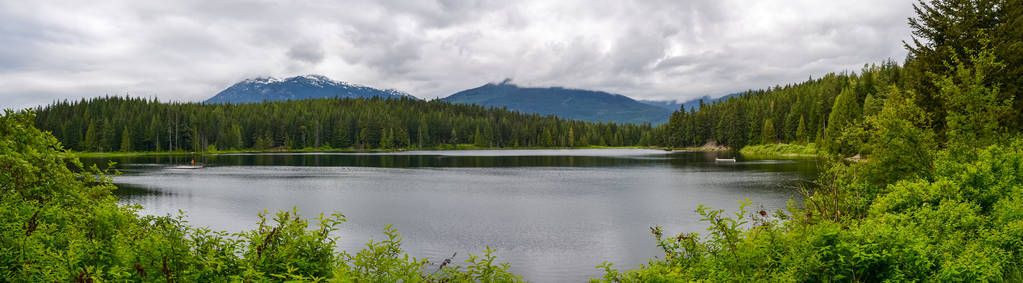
(724, 159)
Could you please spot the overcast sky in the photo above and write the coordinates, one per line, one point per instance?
(188, 50)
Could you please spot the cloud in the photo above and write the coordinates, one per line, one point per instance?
(189, 50)
(308, 52)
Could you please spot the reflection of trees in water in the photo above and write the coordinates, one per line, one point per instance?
(125, 191)
(679, 160)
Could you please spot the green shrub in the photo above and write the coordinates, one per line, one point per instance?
(779, 151)
(60, 222)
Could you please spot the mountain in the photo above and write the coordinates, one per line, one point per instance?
(295, 88)
(691, 104)
(586, 105)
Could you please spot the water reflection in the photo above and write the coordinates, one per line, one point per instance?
(553, 214)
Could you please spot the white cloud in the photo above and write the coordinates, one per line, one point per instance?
(189, 50)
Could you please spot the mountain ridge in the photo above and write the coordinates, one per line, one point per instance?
(691, 104)
(298, 87)
(580, 104)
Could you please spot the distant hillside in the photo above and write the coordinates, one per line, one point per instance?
(296, 88)
(586, 105)
(691, 104)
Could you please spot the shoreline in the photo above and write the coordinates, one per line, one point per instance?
(90, 154)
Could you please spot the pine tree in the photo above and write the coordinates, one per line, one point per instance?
(341, 137)
(571, 137)
(768, 135)
(801, 131)
(92, 138)
(402, 139)
(109, 136)
(547, 139)
(387, 138)
(872, 105)
(478, 139)
(732, 128)
(972, 107)
(126, 140)
(424, 134)
(843, 115)
(236, 137)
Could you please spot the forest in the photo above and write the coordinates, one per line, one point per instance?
(936, 196)
(139, 124)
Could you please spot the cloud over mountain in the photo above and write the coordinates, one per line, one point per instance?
(188, 50)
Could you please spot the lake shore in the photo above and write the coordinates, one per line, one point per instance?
(87, 154)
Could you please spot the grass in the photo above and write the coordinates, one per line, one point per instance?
(779, 151)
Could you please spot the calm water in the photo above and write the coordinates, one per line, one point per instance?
(553, 214)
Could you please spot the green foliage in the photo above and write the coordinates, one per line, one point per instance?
(965, 225)
(801, 135)
(59, 222)
(768, 134)
(972, 108)
(901, 144)
(343, 123)
(779, 151)
(126, 140)
(937, 196)
(737, 121)
(844, 115)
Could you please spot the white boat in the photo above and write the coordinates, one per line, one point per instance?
(187, 167)
(724, 159)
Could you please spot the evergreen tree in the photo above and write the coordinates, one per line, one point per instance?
(571, 137)
(546, 138)
(972, 107)
(126, 140)
(341, 137)
(92, 138)
(284, 124)
(387, 138)
(767, 133)
(423, 134)
(364, 138)
(108, 140)
(401, 138)
(732, 130)
(153, 138)
(236, 141)
(872, 105)
(801, 131)
(843, 115)
(478, 139)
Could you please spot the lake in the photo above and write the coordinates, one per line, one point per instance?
(554, 215)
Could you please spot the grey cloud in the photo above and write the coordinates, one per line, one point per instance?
(190, 49)
(309, 52)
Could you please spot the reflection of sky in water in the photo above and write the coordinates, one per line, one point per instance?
(553, 217)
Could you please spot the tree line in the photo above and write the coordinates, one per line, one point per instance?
(822, 109)
(141, 124)
(935, 196)
(795, 113)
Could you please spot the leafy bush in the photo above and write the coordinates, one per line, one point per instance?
(780, 150)
(911, 212)
(60, 222)
(965, 225)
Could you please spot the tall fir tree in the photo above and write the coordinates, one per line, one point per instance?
(801, 131)
(126, 140)
(843, 115)
(767, 133)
